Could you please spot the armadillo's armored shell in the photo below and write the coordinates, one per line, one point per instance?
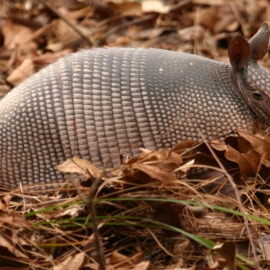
(94, 103)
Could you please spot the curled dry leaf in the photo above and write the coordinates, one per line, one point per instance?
(166, 165)
(81, 166)
(159, 165)
(22, 72)
(10, 247)
(117, 259)
(4, 203)
(246, 151)
(186, 167)
(248, 162)
(181, 147)
(153, 155)
(154, 172)
(16, 34)
(72, 211)
(13, 219)
(165, 154)
(5, 218)
(226, 258)
(155, 6)
(259, 145)
(142, 266)
(218, 145)
(145, 151)
(71, 263)
(194, 267)
(152, 164)
(127, 8)
(66, 35)
(48, 58)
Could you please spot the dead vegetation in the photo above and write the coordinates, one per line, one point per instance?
(197, 206)
(154, 212)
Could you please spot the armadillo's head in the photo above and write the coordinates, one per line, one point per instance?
(253, 80)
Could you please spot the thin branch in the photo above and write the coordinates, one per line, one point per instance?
(74, 28)
(124, 25)
(91, 206)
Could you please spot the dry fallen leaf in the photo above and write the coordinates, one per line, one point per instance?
(72, 211)
(128, 8)
(248, 162)
(48, 58)
(154, 172)
(4, 202)
(117, 257)
(124, 23)
(162, 154)
(218, 145)
(142, 266)
(183, 146)
(11, 248)
(155, 6)
(120, 261)
(71, 262)
(22, 72)
(16, 34)
(186, 167)
(11, 218)
(194, 267)
(226, 257)
(259, 145)
(78, 165)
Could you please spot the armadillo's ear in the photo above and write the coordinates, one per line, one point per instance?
(239, 52)
(259, 42)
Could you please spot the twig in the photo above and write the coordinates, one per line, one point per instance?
(55, 11)
(91, 205)
(237, 197)
(180, 5)
(126, 24)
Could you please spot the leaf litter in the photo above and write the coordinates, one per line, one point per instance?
(140, 208)
(158, 210)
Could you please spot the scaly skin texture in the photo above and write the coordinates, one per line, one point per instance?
(95, 103)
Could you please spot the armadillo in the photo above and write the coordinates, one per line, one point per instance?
(97, 103)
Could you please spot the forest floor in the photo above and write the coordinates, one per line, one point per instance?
(151, 212)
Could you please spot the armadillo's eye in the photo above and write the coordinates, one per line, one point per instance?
(257, 95)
